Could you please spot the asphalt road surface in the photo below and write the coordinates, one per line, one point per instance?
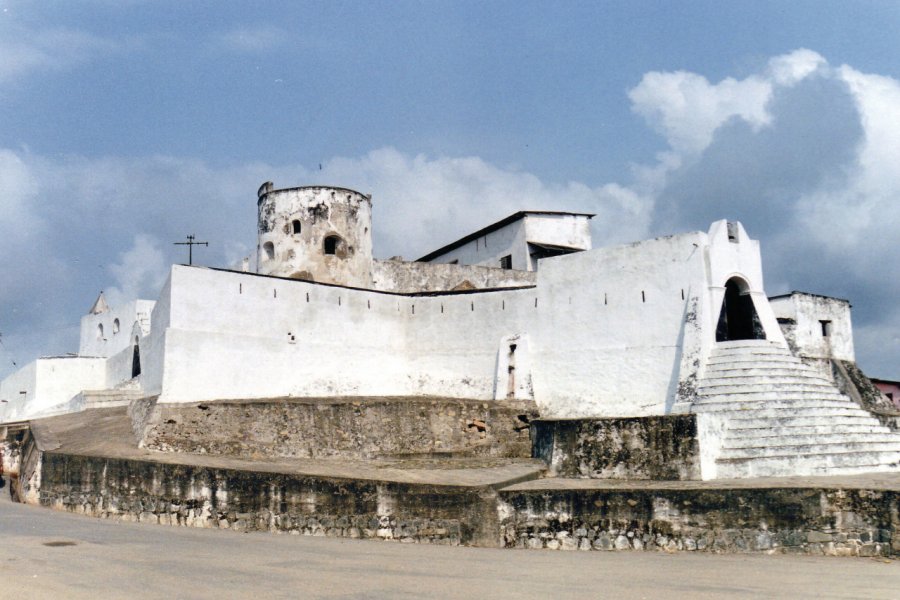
(49, 554)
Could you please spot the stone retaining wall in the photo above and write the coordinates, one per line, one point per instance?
(796, 521)
(343, 428)
(663, 447)
(180, 495)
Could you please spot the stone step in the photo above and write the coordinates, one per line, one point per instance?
(109, 398)
(822, 461)
(726, 372)
(747, 377)
(810, 444)
(787, 419)
(836, 463)
(771, 387)
(769, 396)
(762, 359)
(765, 431)
(731, 404)
(721, 348)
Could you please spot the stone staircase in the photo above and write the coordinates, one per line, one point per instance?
(774, 416)
(108, 398)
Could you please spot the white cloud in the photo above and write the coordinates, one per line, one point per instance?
(687, 109)
(795, 66)
(258, 38)
(140, 272)
(23, 50)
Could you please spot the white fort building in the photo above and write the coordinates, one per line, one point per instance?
(524, 309)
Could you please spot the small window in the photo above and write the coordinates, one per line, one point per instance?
(269, 250)
(295, 226)
(333, 244)
(115, 326)
(890, 396)
(826, 328)
(455, 261)
(506, 262)
(100, 331)
(732, 232)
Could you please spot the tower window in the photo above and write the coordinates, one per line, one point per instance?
(269, 250)
(732, 232)
(295, 226)
(100, 331)
(826, 328)
(334, 245)
(506, 262)
(116, 326)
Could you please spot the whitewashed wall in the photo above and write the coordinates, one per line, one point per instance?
(807, 311)
(487, 250)
(608, 337)
(111, 341)
(49, 383)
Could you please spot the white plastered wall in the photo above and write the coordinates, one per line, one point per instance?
(808, 311)
(611, 325)
(49, 383)
(113, 341)
(739, 258)
(487, 250)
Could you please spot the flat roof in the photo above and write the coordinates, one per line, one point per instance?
(798, 293)
(495, 226)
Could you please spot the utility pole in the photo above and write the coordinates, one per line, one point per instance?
(190, 243)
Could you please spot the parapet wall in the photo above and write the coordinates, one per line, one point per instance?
(414, 277)
(358, 428)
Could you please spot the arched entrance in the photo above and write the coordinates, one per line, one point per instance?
(738, 319)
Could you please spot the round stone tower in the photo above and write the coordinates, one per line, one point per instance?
(315, 233)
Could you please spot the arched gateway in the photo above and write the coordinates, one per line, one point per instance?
(738, 319)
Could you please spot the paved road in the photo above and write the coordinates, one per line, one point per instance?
(48, 554)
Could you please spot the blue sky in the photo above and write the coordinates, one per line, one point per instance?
(126, 125)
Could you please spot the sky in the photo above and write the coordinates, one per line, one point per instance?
(127, 124)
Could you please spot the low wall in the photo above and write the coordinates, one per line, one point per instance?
(832, 522)
(343, 428)
(181, 495)
(631, 448)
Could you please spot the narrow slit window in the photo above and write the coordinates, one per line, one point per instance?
(269, 250)
(296, 226)
(826, 328)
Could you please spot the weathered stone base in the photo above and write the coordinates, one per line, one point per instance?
(355, 428)
(181, 495)
(547, 513)
(664, 447)
(832, 522)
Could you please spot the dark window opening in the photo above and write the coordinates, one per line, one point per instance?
(455, 261)
(333, 245)
(506, 262)
(732, 232)
(269, 249)
(511, 373)
(296, 226)
(738, 319)
(826, 328)
(890, 396)
(136, 362)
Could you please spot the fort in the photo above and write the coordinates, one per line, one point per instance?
(516, 388)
